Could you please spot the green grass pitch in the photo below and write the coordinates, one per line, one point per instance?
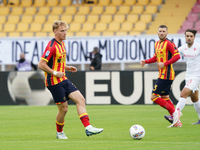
(33, 128)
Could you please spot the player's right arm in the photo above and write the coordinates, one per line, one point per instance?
(43, 66)
(148, 61)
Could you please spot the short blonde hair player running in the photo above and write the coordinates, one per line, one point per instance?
(53, 63)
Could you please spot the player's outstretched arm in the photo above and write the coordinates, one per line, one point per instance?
(70, 68)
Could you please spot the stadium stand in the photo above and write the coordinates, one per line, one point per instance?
(104, 17)
(173, 14)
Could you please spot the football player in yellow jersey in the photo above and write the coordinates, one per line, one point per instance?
(165, 55)
(53, 63)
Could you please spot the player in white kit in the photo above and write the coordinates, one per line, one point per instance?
(191, 54)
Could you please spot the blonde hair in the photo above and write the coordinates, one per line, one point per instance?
(58, 23)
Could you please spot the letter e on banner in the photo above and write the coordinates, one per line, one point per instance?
(91, 88)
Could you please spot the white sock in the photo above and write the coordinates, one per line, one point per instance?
(181, 104)
(89, 126)
(197, 107)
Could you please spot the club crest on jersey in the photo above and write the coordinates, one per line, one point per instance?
(47, 53)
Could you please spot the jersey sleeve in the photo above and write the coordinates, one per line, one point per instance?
(172, 48)
(48, 53)
(180, 49)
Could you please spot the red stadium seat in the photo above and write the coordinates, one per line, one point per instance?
(196, 9)
(193, 17)
(197, 26)
(187, 24)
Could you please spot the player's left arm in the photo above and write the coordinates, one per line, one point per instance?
(175, 54)
(70, 68)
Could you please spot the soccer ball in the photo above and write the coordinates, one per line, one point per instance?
(137, 132)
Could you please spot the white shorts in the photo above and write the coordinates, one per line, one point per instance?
(192, 83)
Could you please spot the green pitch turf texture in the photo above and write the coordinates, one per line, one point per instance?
(33, 128)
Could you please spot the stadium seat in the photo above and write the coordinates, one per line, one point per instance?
(110, 10)
(35, 27)
(140, 26)
(93, 33)
(47, 27)
(22, 27)
(30, 10)
(2, 19)
(83, 10)
(132, 18)
(87, 27)
(106, 18)
(13, 19)
(67, 18)
(123, 10)
(52, 18)
(187, 24)
(147, 18)
(79, 18)
(26, 3)
(13, 3)
(26, 19)
(70, 10)
(129, 2)
(97, 10)
(137, 10)
(56, 10)
(39, 3)
(14, 34)
(150, 9)
(70, 34)
(121, 33)
(4, 10)
(104, 2)
(9, 27)
(197, 26)
(126, 26)
(116, 2)
(196, 9)
(74, 27)
(27, 34)
(65, 3)
(100, 27)
(41, 34)
(17, 11)
(113, 26)
(3, 34)
(52, 3)
(81, 33)
(93, 18)
(119, 18)
(108, 33)
(39, 19)
(142, 2)
(155, 2)
(43, 10)
(193, 17)
(134, 33)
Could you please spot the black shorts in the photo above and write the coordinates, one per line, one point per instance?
(61, 91)
(162, 87)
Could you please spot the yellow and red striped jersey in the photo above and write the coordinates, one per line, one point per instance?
(164, 51)
(55, 56)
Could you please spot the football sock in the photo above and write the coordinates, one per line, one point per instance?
(84, 119)
(181, 103)
(163, 103)
(59, 126)
(197, 107)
